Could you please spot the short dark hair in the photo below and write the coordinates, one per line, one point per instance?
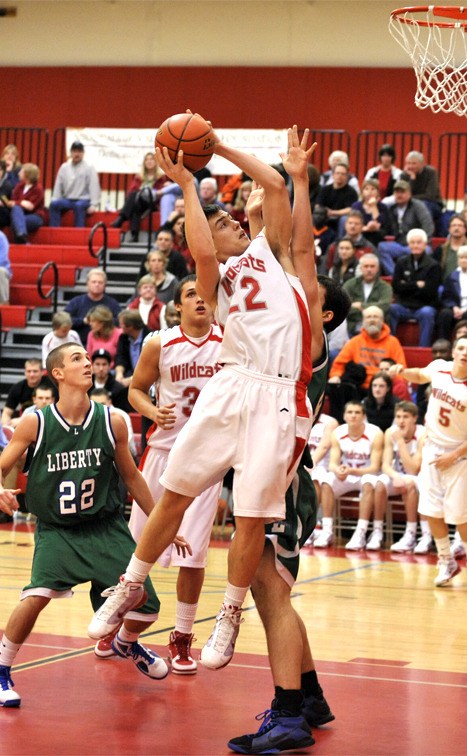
(42, 387)
(406, 406)
(211, 210)
(387, 149)
(337, 300)
(179, 287)
(354, 403)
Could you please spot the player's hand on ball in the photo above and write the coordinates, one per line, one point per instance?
(175, 171)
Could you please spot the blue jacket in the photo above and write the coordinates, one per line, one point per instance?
(4, 249)
(451, 294)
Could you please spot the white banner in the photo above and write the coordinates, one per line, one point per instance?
(123, 150)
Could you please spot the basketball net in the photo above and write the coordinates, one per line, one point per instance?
(438, 50)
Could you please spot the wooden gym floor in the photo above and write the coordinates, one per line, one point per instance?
(390, 649)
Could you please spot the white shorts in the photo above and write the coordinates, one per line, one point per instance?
(319, 474)
(249, 422)
(197, 521)
(442, 493)
(391, 490)
(351, 483)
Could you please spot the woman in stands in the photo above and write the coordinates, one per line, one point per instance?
(104, 333)
(10, 155)
(141, 196)
(380, 403)
(346, 261)
(238, 211)
(27, 210)
(375, 212)
(156, 266)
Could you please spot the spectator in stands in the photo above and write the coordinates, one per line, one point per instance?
(5, 269)
(323, 235)
(374, 212)
(76, 188)
(27, 210)
(10, 155)
(368, 347)
(365, 290)
(103, 378)
(353, 227)
(147, 303)
(454, 297)
(400, 388)
(380, 402)
(406, 213)
(170, 316)
(156, 266)
(6, 188)
(338, 156)
(338, 196)
(402, 457)
(61, 333)
(103, 334)
(415, 284)
(141, 196)
(42, 395)
(446, 254)
(355, 460)
(20, 394)
(208, 190)
(238, 211)
(129, 346)
(177, 226)
(102, 396)
(346, 263)
(165, 238)
(79, 306)
(229, 191)
(386, 173)
(460, 329)
(424, 183)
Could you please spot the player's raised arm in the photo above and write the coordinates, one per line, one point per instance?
(277, 216)
(197, 231)
(296, 162)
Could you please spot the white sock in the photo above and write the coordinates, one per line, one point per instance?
(328, 523)
(443, 546)
(363, 524)
(8, 651)
(235, 595)
(425, 527)
(137, 570)
(126, 636)
(411, 527)
(378, 525)
(184, 617)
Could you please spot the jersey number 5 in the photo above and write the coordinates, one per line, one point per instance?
(69, 503)
(444, 419)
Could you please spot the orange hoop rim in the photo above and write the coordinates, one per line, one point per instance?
(456, 12)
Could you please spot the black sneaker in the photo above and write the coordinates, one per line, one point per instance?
(279, 731)
(316, 711)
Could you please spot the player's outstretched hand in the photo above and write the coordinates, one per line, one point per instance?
(297, 157)
(8, 500)
(176, 171)
(182, 546)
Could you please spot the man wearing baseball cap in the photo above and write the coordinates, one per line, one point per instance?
(103, 378)
(406, 213)
(76, 188)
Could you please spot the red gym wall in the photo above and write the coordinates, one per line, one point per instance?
(354, 99)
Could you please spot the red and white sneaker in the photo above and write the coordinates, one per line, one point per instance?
(180, 653)
(447, 569)
(103, 648)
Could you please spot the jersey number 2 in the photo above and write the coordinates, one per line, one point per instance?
(68, 499)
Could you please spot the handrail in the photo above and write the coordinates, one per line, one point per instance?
(101, 253)
(53, 292)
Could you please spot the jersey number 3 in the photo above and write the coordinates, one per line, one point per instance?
(70, 501)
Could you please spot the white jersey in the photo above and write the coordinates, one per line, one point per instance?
(446, 416)
(356, 452)
(185, 365)
(411, 448)
(316, 436)
(264, 314)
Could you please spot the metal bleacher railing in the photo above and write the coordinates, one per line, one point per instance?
(448, 155)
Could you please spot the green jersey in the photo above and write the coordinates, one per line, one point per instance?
(317, 386)
(72, 477)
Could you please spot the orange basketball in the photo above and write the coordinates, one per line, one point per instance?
(192, 134)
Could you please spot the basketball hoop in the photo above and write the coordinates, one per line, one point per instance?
(438, 50)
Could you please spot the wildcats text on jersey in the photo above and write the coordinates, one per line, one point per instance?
(73, 460)
(245, 261)
(192, 370)
(444, 396)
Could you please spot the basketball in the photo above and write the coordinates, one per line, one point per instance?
(192, 134)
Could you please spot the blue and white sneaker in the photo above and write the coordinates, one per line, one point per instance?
(279, 732)
(8, 697)
(148, 662)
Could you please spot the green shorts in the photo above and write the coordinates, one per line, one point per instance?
(289, 535)
(96, 551)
